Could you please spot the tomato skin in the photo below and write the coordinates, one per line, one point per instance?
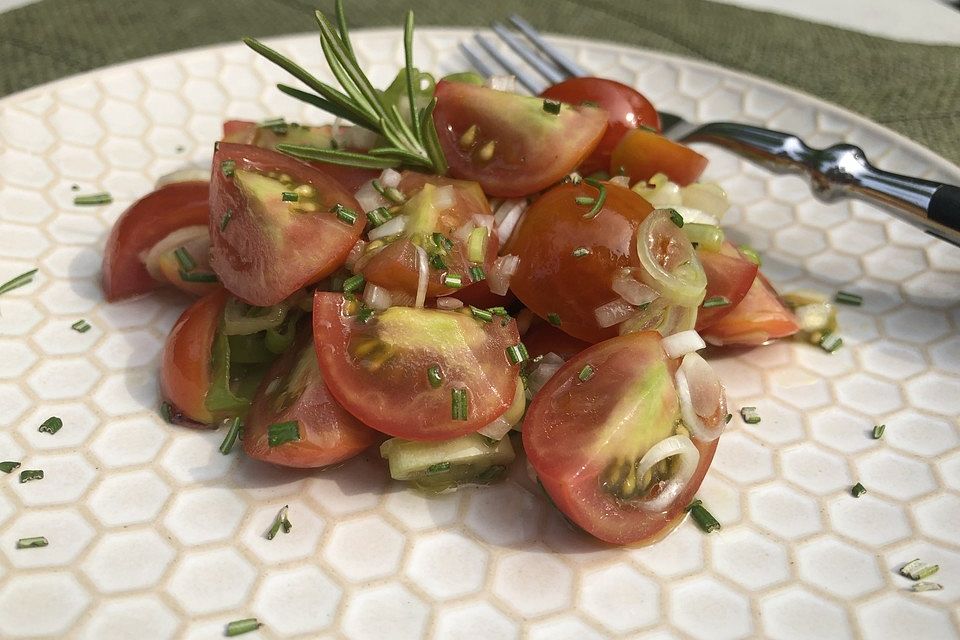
(185, 369)
(760, 317)
(626, 109)
(564, 441)
(729, 275)
(246, 132)
(328, 433)
(396, 397)
(543, 338)
(642, 153)
(144, 223)
(263, 258)
(533, 149)
(550, 279)
(479, 295)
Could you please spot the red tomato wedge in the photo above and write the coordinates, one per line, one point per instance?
(246, 132)
(543, 338)
(479, 295)
(508, 142)
(293, 390)
(642, 153)
(584, 437)
(378, 369)
(145, 223)
(760, 317)
(396, 265)
(185, 371)
(265, 248)
(730, 276)
(551, 279)
(626, 109)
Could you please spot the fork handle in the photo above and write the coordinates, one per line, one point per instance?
(844, 171)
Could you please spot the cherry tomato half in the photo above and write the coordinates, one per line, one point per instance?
(626, 109)
(543, 338)
(641, 154)
(760, 317)
(729, 276)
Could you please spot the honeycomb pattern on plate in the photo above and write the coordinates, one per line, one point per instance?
(150, 528)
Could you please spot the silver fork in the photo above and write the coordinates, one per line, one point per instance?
(839, 171)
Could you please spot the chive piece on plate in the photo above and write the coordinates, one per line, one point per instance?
(858, 490)
(750, 415)
(702, 517)
(81, 326)
(878, 431)
(51, 425)
(8, 466)
(92, 199)
(283, 432)
(844, 297)
(166, 412)
(29, 475)
(16, 282)
(830, 342)
(231, 438)
(918, 570)
(32, 543)
(279, 522)
(926, 586)
(239, 627)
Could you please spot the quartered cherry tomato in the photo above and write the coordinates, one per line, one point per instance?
(729, 276)
(641, 154)
(626, 109)
(760, 317)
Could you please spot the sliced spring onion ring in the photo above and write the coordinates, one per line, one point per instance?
(704, 236)
(708, 197)
(502, 425)
(667, 448)
(682, 343)
(498, 278)
(195, 238)
(423, 275)
(703, 404)
(507, 217)
(548, 365)
(614, 312)
(240, 319)
(659, 191)
(632, 291)
(670, 264)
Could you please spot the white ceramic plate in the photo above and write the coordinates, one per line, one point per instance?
(154, 534)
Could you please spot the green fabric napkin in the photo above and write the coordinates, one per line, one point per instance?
(911, 88)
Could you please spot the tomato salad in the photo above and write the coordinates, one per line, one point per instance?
(455, 272)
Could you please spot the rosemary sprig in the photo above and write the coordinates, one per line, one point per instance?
(414, 143)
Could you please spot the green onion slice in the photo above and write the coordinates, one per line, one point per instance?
(81, 326)
(51, 425)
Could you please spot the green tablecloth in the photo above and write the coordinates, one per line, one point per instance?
(911, 88)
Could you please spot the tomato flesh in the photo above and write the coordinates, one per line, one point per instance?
(576, 431)
(543, 338)
(185, 374)
(760, 317)
(626, 109)
(145, 223)
(730, 276)
(550, 279)
(641, 154)
(508, 142)
(294, 390)
(264, 248)
(378, 369)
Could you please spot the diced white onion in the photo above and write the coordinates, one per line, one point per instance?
(514, 414)
(524, 320)
(635, 293)
(622, 181)
(196, 172)
(187, 237)
(390, 178)
(498, 278)
(613, 312)
(667, 448)
(444, 198)
(678, 277)
(680, 344)
(507, 217)
(464, 231)
(502, 83)
(708, 197)
(659, 191)
(449, 302)
(369, 198)
(359, 138)
(504, 208)
(545, 369)
(484, 221)
(496, 429)
(703, 404)
(391, 227)
(423, 274)
(355, 254)
(376, 297)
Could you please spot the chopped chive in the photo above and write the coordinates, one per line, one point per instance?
(878, 431)
(51, 425)
(917, 570)
(269, 123)
(354, 283)
(858, 490)
(481, 314)
(442, 241)
(702, 517)
(580, 252)
(92, 199)
(345, 215)
(197, 276)
(231, 438)
(477, 274)
(728, 418)
(844, 297)
(552, 107)
(225, 220)
(166, 411)
(283, 432)
(239, 627)
(554, 319)
(390, 193)
(378, 216)
(8, 466)
(459, 404)
(926, 586)
(517, 353)
(601, 198)
(439, 467)
(453, 280)
(184, 259)
(750, 415)
(584, 200)
(28, 475)
(365, 315)
(289, 196)
(437, 262)
(434, 376)
(16, 282)
(32, 543)
(830, 342)
(715, 301)
(499, 311)
(279, 522)
(750, 254)
(676, 218)
(228, 168)
(81, 326)
(586, 373)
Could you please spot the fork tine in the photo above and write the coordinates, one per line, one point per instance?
(527, 80)
(546, 70)
(551, 51)
(475, 61)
